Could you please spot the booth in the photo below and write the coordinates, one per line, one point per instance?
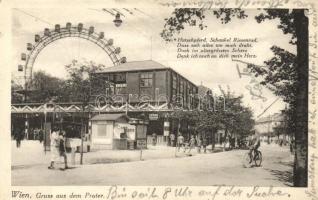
(112, 131)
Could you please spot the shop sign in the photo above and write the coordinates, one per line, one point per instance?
(153, 116)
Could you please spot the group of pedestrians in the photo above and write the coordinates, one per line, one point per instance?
(19, 135)
(199, 142)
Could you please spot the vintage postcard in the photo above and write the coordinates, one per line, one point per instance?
(159, 100)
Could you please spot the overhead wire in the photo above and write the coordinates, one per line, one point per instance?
(35, 17)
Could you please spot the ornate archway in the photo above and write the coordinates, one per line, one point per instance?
(51, 35)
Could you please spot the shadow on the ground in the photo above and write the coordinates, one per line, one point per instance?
(16, 167)
(286, 177)
(108, 160)
(68, 168)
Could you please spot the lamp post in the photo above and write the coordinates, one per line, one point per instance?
(85, 101)
(44, 127)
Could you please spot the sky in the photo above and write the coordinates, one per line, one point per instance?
(139, 39)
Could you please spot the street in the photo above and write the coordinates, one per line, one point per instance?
(159, 167)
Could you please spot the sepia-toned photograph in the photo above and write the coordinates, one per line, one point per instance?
(166, 97)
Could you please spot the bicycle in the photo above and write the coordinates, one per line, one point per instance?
(256, 157)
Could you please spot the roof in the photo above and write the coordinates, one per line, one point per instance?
(108, 117)
(135, 66)
(144, 65)
(276, 117)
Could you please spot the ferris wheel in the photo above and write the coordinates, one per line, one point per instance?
(51, 35)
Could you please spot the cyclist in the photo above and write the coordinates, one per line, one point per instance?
(255, 143)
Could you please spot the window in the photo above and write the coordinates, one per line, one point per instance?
(174, 82)
(104, 130)
(181, 87)
(111, 77)
(106, 77)
(174, 85)
(120, 78)
(146, 79)
(121, 88)
(109, 86)
(101, 130)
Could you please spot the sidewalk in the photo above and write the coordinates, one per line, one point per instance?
(224, 168)
(31, 153)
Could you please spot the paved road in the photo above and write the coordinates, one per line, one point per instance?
(223, 168)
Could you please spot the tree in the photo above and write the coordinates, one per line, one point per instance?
(195, 17)
(79, 86)
(234, 118)
(296, 24)
(15, 96)
(44, 87)
(294, 89)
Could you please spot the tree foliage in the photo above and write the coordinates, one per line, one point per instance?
(79, 82)
(279, 74)
(44, 87)
(285, 74)
(286, 18)
(15, 96)
(230, 115)
(182, 17)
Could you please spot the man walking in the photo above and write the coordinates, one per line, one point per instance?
(41, 135)
(191, 143)
(17, 137)
(172, 139)
(180, 141)
(154, 139)
(62, 149)
(199, 143)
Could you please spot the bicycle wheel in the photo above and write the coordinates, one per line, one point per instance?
(258, 158)
(246, 160)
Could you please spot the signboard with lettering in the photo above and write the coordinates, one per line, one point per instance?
(141, 131)
(141, 144)
(153, 116)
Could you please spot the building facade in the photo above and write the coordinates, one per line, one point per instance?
(144, 81)
(273, 128)
(145, 89)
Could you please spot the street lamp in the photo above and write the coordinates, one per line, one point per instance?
(117, 21)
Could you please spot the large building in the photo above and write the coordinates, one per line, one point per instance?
(140, 89)
(266, 125)
(142, 81)
(145, 89)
